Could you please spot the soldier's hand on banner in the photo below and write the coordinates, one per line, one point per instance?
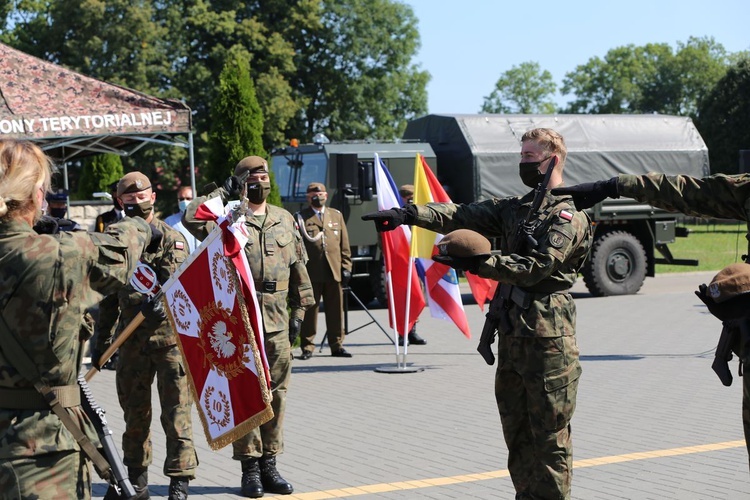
(346, 277)
(388, 220)
(590, 193)
(295, 326)
(153, 310)
(470, 264)
(155, 241)
(233, 186)
(96, 355)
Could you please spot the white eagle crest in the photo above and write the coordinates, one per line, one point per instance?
(221, 340)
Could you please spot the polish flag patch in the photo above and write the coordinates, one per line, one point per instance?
(566, 215)
(179, 245)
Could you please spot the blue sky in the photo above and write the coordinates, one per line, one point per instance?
(468, 44)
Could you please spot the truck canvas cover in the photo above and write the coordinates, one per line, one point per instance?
(479, 154)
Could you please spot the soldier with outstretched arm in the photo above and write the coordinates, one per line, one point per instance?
(538, 369)
(720, 195)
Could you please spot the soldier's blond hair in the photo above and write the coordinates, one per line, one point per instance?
(552, 142)
(24, 168)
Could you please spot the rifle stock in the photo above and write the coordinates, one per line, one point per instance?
(118, 476)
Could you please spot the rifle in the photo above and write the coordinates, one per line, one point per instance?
(118, 478)
(723, 354)
(497, 313)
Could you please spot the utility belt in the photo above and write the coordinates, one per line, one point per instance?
(523, 298)
(271, 286)
(30, 399)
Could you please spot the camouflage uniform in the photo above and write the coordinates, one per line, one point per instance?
(152, 351)
(722, 196)
(538, 369)
(45, 286)
(277, 258)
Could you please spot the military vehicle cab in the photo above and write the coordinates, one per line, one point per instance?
(347, 171)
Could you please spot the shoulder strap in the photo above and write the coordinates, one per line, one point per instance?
(21, 361)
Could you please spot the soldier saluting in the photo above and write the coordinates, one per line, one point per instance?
(538, 368)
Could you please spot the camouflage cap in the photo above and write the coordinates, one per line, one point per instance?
(730, 282)
(406, 190)
(251, 164)
(316, 187)
(132, 182)
(464, 243)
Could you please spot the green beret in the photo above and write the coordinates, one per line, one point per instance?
(251, 165)
(132, 183)
(464, 243)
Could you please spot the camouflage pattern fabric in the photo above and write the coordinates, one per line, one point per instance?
(151, 352)
(275, 253)
(722, 196)
(46, 285)
(63, 474)
(538, 369)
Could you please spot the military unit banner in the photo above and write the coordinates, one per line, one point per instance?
(215, 314)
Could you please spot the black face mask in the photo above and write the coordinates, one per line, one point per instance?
(57, 213)
(317, 202)
(257, 192)
(529, 173)
(142, 209)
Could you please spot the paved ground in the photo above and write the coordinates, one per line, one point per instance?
(653, 421)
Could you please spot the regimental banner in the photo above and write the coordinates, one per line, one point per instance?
(218, 336)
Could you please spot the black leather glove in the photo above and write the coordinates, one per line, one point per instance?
(154, 311)
(729, 310)
(47, 225)
(295, 326)
(156, 237)
(388, 220)
(470, 264)
(590, 193)
(346, 277)
(233, 186)
(96, 355)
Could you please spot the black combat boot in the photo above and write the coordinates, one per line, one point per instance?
(252, 486)
(272, 480)
(139, 479)
(178, 488)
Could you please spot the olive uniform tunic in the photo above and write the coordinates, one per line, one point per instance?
(45, 287)
(277, 261)
(538, 368)
(327, 256)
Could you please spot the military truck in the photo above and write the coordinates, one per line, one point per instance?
(346, 169)
(478, 156)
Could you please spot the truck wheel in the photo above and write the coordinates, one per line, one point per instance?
(616, 266)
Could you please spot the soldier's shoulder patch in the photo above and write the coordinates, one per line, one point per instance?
(179, 245)
(556, 239)
(566, 215)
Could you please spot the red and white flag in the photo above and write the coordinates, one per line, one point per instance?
(215, 313)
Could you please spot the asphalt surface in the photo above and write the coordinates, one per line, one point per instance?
(653, 421)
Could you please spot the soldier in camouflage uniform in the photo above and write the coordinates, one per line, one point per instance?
(277, 260)
(721, 196)
(151, 351)
(45, 286)
(538, 369)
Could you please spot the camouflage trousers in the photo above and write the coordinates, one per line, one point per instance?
(746, 405)
(137, 366)
(535, 387)
(268, 439)
(64, 474)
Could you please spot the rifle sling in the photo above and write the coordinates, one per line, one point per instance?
(20, 360)
(29, 399)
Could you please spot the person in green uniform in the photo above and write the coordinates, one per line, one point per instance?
(720, 195)
(536, 381)
(277, 260)
(150, 352)
(46, 285)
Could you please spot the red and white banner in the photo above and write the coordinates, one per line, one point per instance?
(214, 311)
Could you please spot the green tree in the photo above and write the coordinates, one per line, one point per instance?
(522, 89)
(98, 173)
(723, 117)
(647, 79)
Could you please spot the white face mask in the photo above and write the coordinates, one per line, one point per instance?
(183, 204)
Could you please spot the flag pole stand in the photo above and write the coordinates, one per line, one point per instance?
(401, 365)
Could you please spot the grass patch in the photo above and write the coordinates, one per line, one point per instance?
(715, 246)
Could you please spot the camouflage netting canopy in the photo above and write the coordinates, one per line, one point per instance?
(71, 115)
